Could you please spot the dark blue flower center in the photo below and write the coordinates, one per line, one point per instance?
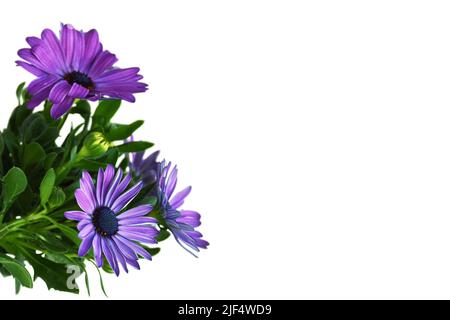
(105, 221)
(81, 78)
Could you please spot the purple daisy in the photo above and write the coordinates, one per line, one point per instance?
(75, 66)
(181, 223)
(112, 235)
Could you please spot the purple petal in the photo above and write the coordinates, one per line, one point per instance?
(178, 199)
(83, 223)
(99, 190)
(51, 43)
(78, 91)
(113, 187)
(84, 201)
(104, 61)
(33, 41)
(171, 182)
(68, 42)
(126, 250)
(87, 185)
(86, 244)
(120, 188)
(31, 69)
(142, 230)
(76, 215)
(118, 254)
(91, 50)
(59, 91)
(110, 257)
(61, 108)
(139, 211)
(137, 221)
(138, 249)
(87, 230)
(134, 263)
(107, 179)
(137, 236)
(191, 218)
(97, 250)
(125, 198)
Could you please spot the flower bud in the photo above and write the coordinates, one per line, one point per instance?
(94, 146)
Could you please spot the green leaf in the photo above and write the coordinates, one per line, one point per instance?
(55, 275)
(153, 251)
(82, 108)
(17, 270)
(15, 182)
(137, 146)
(123, 131)
(162, 235)
(2, 144)
(57, 198)
(33, 154)
(105, 111)
(19, 94)
(47, 185)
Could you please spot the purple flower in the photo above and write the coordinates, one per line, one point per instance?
(75, 66)
(100, 225)
(181, 223)
(145, 168)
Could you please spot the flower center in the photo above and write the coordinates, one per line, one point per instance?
(105, 221)
(81, 78)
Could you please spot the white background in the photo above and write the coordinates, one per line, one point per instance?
(316, 136)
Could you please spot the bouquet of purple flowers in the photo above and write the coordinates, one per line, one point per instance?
(91, 195)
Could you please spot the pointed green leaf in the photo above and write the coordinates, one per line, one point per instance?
(47, 185)
(33, 154)
(137, 146)
(106, 109)
(19, 94)
(123, 131)
(17, 270)
(15, 183)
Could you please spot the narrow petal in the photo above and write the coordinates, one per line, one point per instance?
(103, 62)
(141, 230)
(61, 108)
(87, 185)
(125, 198)
(107, 179)
(99, 190)
(84, 202)
(137, 236)
(178, 199)
(125, 249)
(97, 250)
(83, 223)
(134, 263)
(110, 257)
(171, 182)
(137, 221)
(114, 184)
(87, 230)
(86, 244)
(59, 91)
(78, 91)
(31, 69)
(139, 211)
(91, 49)
(138, 249)
(191, 218)
(76, 215)
(120, 188)
(118, 254)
